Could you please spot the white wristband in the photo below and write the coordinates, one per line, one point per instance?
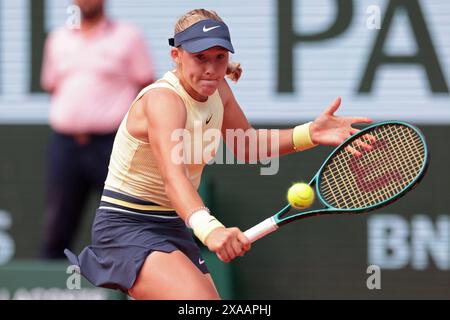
(203, 224)
(197, 218)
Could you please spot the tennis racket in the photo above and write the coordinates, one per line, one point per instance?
(369, 170)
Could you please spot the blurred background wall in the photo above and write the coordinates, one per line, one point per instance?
(297, 57)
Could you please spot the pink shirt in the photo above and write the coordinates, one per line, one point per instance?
(94, 77)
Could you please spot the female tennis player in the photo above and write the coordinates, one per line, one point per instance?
(141, 243)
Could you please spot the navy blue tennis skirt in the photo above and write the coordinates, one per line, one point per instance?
(123, 237)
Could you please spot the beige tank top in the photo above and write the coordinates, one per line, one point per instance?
(133, 169)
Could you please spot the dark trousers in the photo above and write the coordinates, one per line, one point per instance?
(74, 170)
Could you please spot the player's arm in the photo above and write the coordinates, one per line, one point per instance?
(166, 117)
(326, 129)
(234, 118)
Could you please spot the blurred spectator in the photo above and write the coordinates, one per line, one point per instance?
(93, 73)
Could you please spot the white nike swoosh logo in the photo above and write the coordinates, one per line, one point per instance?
(200, 261)
(205, 29)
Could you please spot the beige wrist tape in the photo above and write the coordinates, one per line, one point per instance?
(301, 139)
(203, 224)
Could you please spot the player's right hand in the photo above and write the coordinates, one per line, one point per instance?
(228, 243)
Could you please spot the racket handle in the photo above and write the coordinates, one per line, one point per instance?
(261, 229)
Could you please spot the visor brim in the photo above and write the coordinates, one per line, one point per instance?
(198, 45)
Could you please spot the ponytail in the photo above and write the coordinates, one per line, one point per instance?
(234, 71)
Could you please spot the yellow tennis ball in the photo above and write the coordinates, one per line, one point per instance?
(300, 195)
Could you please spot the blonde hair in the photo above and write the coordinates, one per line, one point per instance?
(234, 69)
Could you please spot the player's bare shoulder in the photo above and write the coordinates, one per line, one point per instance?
(225, 92)
(163, 103)
(157, 98)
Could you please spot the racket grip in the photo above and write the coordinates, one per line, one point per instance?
(261, 229)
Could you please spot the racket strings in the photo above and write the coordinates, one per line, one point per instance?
(375, 171)
(395, 160)
(387, 164)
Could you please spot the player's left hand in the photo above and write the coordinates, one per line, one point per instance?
(331, 130)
